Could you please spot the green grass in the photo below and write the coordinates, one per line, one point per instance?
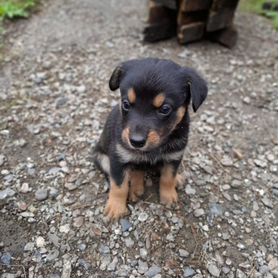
(256, 6)
(10, 9)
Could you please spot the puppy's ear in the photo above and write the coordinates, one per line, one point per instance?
(115, 79)
(197, 87)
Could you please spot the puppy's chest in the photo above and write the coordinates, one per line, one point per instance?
(147, 158)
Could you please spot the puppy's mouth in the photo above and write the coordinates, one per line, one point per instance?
(139, 142)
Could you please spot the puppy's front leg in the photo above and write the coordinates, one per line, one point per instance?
(167, 184)
(119, 185)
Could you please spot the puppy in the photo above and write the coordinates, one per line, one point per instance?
(149, 128)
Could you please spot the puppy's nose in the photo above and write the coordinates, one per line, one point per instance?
(137, 141)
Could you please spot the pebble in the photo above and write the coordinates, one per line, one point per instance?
(6, 259)
(143, 253)
(66, 273)
(6, 193)
(104, 249)
(143, 217)
(267, 202)
(142, 267)
(71, 186)
(2, 160)
(152, 271)
(273, 264)
(78, 221)
(41, 194)
(24, 188)
(183, 253)
(213, 270)
(240, 274)
(112, 266)
(40, 242)
(227, 161)
(52, 255)
(199, 212)
(64, 228)
(188, 272)
(190, 190)
(125, 224)
(129, 242)
(29, 246)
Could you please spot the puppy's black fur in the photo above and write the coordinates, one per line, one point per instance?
(150, 127)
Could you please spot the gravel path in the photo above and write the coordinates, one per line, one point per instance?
(54, 100)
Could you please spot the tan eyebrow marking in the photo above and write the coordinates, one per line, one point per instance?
(131, 95)
(158, 100)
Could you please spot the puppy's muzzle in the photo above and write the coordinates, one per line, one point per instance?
(137, 141)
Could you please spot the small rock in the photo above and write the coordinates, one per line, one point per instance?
(24, 188)
(190, 190)
(260, 163)
(64, 228)
(129, 242)
(267, 202)
(213, 270)
(240, 274)
(227, 161)
(199, 212)
(104, 249)
(188, 272)
(29, 246)
(78, 221)
(2, 160)
(273, 264)
(143, 253)
(41, 194)
(112, 266)
(6, 259)
(61, 101)
(71, 186)
(152, 271)
(6, 193)
(143, 217)
(52, 255)
(238, 154)
(66, 273)
(40, 242)
(142, 267)
(183, 253)
(125, 224)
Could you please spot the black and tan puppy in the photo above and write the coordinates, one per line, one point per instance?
(148, 129)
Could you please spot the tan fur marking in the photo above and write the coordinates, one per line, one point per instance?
(180, 114)
(168, 182)
(158, 100)
(153, 138)
(136, 188)
(131, 95)
(125, 134)
(116, 203)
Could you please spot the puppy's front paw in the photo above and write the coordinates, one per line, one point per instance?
(135, 192)
(168, 196)
(115, 209)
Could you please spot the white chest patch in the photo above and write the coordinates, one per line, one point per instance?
(127, 156)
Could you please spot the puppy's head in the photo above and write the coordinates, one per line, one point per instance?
(154, 98)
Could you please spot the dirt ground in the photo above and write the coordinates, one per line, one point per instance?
(54, 98)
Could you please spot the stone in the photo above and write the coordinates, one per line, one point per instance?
(112, 266)
(40, 242)
(129, 242)
(41, 194)
(29, 246)
(24, 188)
(104, 249)
(142, 267)
(273, 264)
(199, 212)
(2, 160)
(52, 255)
(6, 259)
(64, 228)
(190, 190)
(78, 221)
(125, 224)
(188, 272)
(267, 202)
(66, 273)
(143, 217)
(183, 253)
(152, 271)
(213, 270)
(143, 253)
(6, 193)
(240, 274)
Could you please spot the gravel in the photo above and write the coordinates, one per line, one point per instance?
(54, 99)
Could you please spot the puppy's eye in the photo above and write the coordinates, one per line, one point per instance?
(165, 110)
(125, 105)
